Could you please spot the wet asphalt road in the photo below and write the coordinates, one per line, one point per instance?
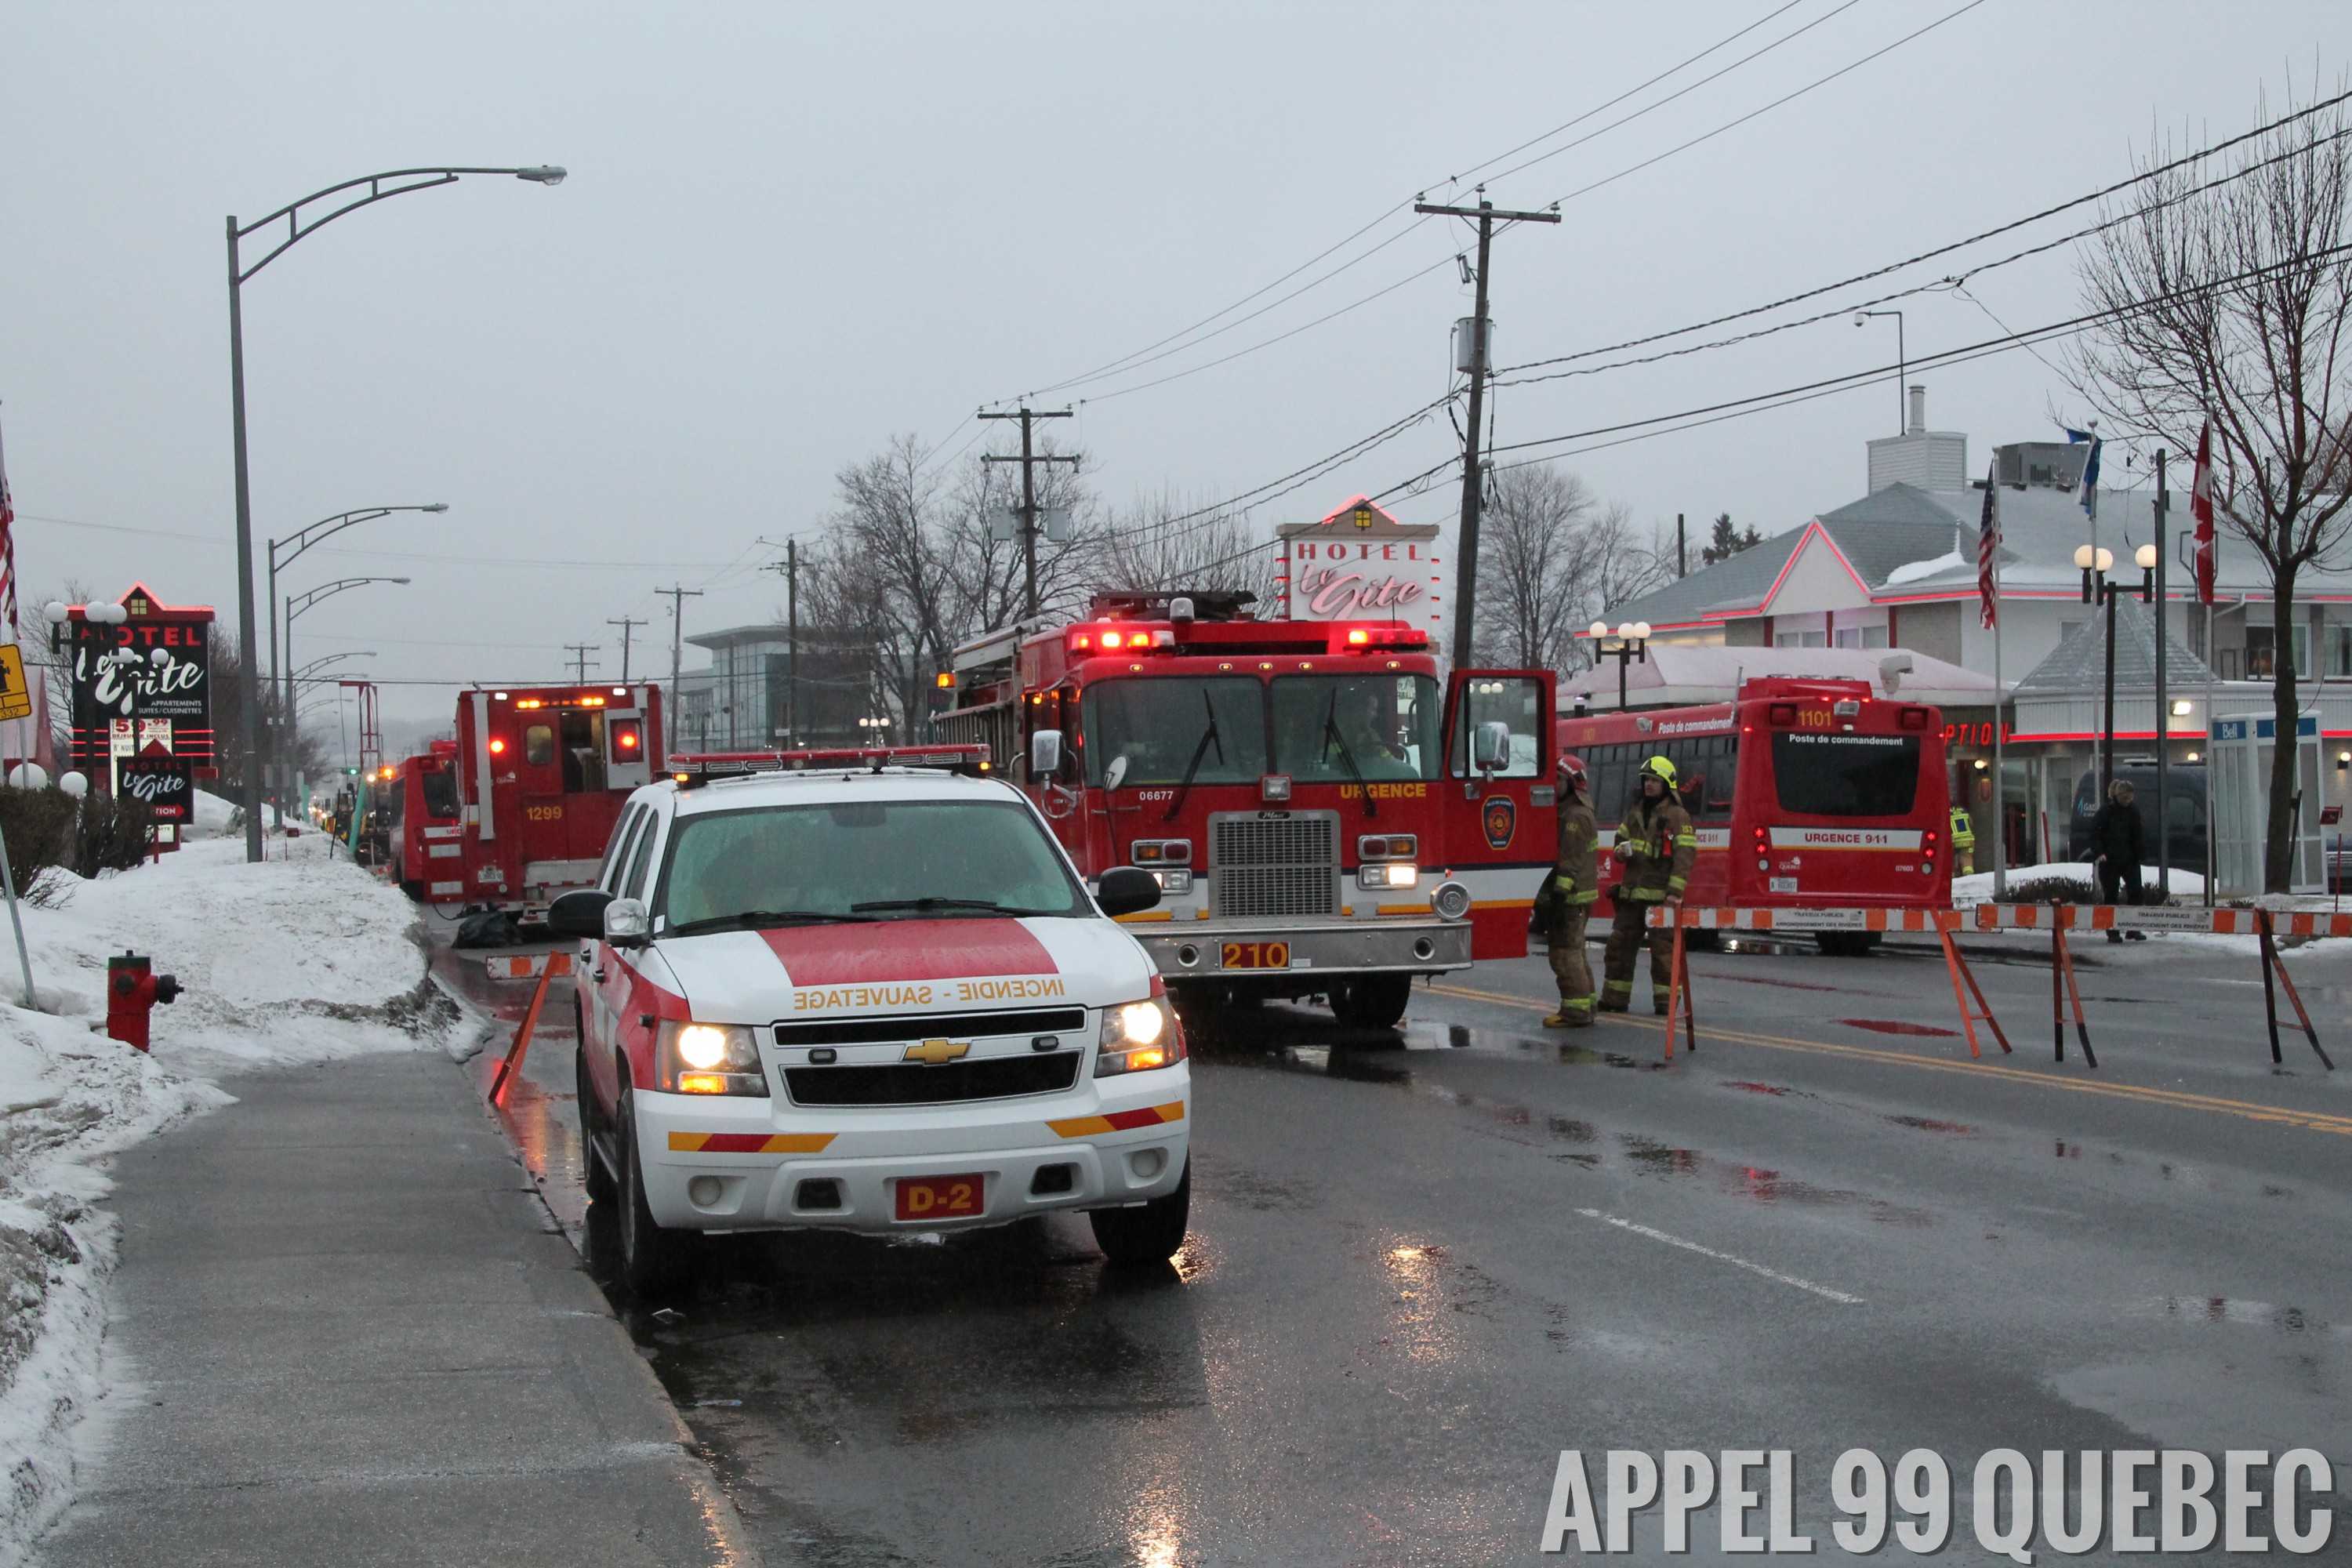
(1423, 1263)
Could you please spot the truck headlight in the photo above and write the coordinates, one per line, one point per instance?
(1139, 1036)
(708, 1058)
(1390, 874)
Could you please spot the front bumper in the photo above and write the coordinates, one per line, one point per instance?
(1425, 946)
(1124, 1139)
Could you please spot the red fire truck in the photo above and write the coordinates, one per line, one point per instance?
(1321, 813)
(540, 775)
(1802, 793)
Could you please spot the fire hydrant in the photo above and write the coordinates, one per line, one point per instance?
(132, 989)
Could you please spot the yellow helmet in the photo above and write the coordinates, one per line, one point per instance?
(1663, 769)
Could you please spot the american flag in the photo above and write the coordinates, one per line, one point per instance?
(7, 551)
(1988, 545)
(2201, 506)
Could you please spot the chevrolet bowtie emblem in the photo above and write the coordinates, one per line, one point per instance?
(934, 1052)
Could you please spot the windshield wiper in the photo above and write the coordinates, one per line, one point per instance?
(1331, 737)
(932, 902)
(1209, 736)
(752, 919)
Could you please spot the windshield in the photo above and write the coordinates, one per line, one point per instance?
(1385, 724)
(1846, 775)
(1157, 725)
(441, 794)
(924, 858)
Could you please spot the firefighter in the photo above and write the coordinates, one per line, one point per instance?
(1575, 883)
(1964, 841)
(1656, 843)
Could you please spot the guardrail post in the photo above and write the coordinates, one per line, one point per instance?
(2272, 960)
(2062, 972)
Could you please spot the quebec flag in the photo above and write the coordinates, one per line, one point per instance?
(2090, 472)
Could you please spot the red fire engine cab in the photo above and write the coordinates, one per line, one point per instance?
(541, 774)
(1323, 815)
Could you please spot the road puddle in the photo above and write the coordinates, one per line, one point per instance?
(1896, 1026)
(1758, 1185)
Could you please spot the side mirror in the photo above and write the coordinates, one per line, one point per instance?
(580, 912)
(1490, 746)
(1125, 890)
(626, 924)
(1045, 754)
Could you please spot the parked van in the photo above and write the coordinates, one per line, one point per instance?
(2184, 806)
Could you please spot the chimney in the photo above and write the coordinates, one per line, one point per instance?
(1918, 412)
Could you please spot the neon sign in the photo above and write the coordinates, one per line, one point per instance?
(1975, 734)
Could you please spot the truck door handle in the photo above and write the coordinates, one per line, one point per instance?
(597, 975)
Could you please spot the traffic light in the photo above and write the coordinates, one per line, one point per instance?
(351, 773)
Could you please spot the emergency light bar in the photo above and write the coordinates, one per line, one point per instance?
(692, 769)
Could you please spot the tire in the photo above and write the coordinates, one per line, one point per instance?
(652, 1259)
(1149, 1235)
(1373, 1001)
(601, 1186)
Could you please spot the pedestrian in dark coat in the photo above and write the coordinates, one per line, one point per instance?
(2118, 845)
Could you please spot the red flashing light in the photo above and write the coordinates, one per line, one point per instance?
(1358, 637)
(1081, 640)
(1914, 718)
(1112, 640)
(497, 747)
(1782, 714)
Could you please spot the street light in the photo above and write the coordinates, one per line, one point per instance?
(1632, 642)
(2095, 563)
(1901, 363)
(297, 603)
(378, 187)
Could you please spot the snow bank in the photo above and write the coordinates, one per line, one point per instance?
(1978, 890)
(297, 959)
(212, 816)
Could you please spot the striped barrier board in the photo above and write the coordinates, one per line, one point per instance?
(1712, 918)
(2165, 918)
(528, 966)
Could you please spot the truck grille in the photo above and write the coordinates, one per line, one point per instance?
(1263, 866)
(915, 1083)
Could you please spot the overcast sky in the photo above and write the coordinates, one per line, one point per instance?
(792, 231)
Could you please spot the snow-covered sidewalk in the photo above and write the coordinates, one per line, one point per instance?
(297, 959)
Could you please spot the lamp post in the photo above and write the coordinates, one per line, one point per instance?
(297, 603)
(1901, 363)
(283, 551)
(349, 196)
(2095, 563)
(1629, 642)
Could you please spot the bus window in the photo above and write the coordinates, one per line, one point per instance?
(1722, 770)
(440, 788)
(539, 745)
(1515, 702)
(1386, 726)
(1846, 775)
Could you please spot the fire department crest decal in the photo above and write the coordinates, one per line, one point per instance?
(1501, 817)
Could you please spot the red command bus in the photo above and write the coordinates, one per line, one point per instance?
(425, 829)
(541, 774)
(1324, 814)
(1805, 794)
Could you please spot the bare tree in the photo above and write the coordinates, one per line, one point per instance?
(1552, 557)
(2233, 304)
(1169, 540)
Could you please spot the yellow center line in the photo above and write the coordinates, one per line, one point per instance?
(2181, 1099)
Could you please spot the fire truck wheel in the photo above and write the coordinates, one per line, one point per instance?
(601, 1186)
(651, 1257)
(1147, 1234)
(1372, 1001)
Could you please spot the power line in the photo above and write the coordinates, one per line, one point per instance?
(1785, 97)
(1138, 357)
(534, 561)
(1942, 250)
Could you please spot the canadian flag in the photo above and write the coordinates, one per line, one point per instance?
(2201, 506)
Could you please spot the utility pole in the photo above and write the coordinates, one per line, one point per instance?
(624, 623)
(1682, 549)
(791, 567)
(1028, 459)
(678, 597)
(1465, 548)
(580, 659)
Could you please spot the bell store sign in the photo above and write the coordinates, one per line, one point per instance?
(1361, 564)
